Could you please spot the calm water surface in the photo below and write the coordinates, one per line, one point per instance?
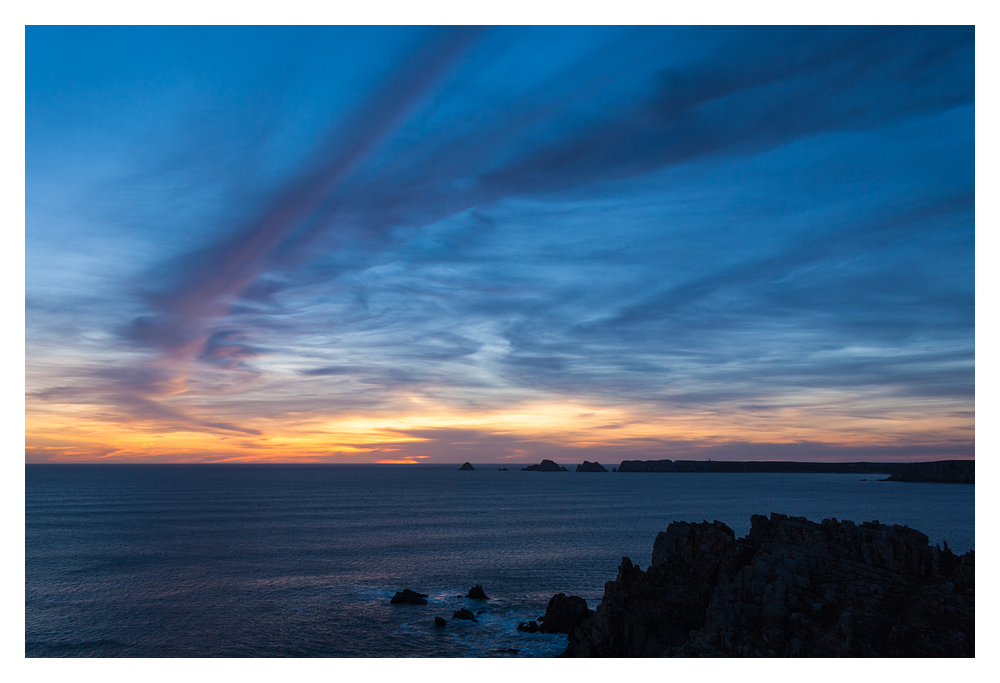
(301, 560)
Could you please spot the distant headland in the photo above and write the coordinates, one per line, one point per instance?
(940, 471)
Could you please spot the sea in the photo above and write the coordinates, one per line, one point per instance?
(302, 560)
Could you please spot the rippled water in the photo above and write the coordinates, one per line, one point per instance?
(301, 560)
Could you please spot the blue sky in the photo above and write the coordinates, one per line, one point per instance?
(446, 244)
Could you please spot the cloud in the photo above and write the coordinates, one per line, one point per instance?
(677, 226)
(757, 89)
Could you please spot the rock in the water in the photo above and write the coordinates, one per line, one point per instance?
(464, 614)
(789, 588)
(502, 469)
(439, 621)
(529, 626)
(467, 467)
(588, 466)
(477, 593)
(544, 466)
(564, 613)
(408, 597)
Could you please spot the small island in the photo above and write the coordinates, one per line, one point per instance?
(588, 466)
(545, 466)
(467, 467)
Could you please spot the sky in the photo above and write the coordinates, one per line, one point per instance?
(433, 245)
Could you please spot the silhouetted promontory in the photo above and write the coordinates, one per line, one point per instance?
(467, 467)
(942, 471)
(588, 466)
(544, 466)
(789, 588)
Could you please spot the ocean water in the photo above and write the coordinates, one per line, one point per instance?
(301, 560)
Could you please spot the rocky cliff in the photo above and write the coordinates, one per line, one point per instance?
(790, 588)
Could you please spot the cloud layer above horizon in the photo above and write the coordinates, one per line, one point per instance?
(362, 244)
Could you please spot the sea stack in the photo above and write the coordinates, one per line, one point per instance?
(467, 467)
(588, 466)
(477, 593)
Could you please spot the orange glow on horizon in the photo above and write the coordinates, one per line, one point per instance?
(79, 433)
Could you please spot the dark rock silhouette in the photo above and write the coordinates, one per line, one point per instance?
(564, 613)
(467, 467)
(477, 593)
(942, 471)
(791, 588)
(502, 469)
(588, 466)
(408, 597)
(464, 614)
(614, 469)
(544, 466)
(529, 626)
(439, 621)
(647, 466)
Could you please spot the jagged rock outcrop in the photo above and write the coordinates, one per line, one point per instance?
(477, 593)
(408, 597)
(791, 588)
(588, 466)
(440, 621)
(467, 467)
(545, 466)
(464, 614)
